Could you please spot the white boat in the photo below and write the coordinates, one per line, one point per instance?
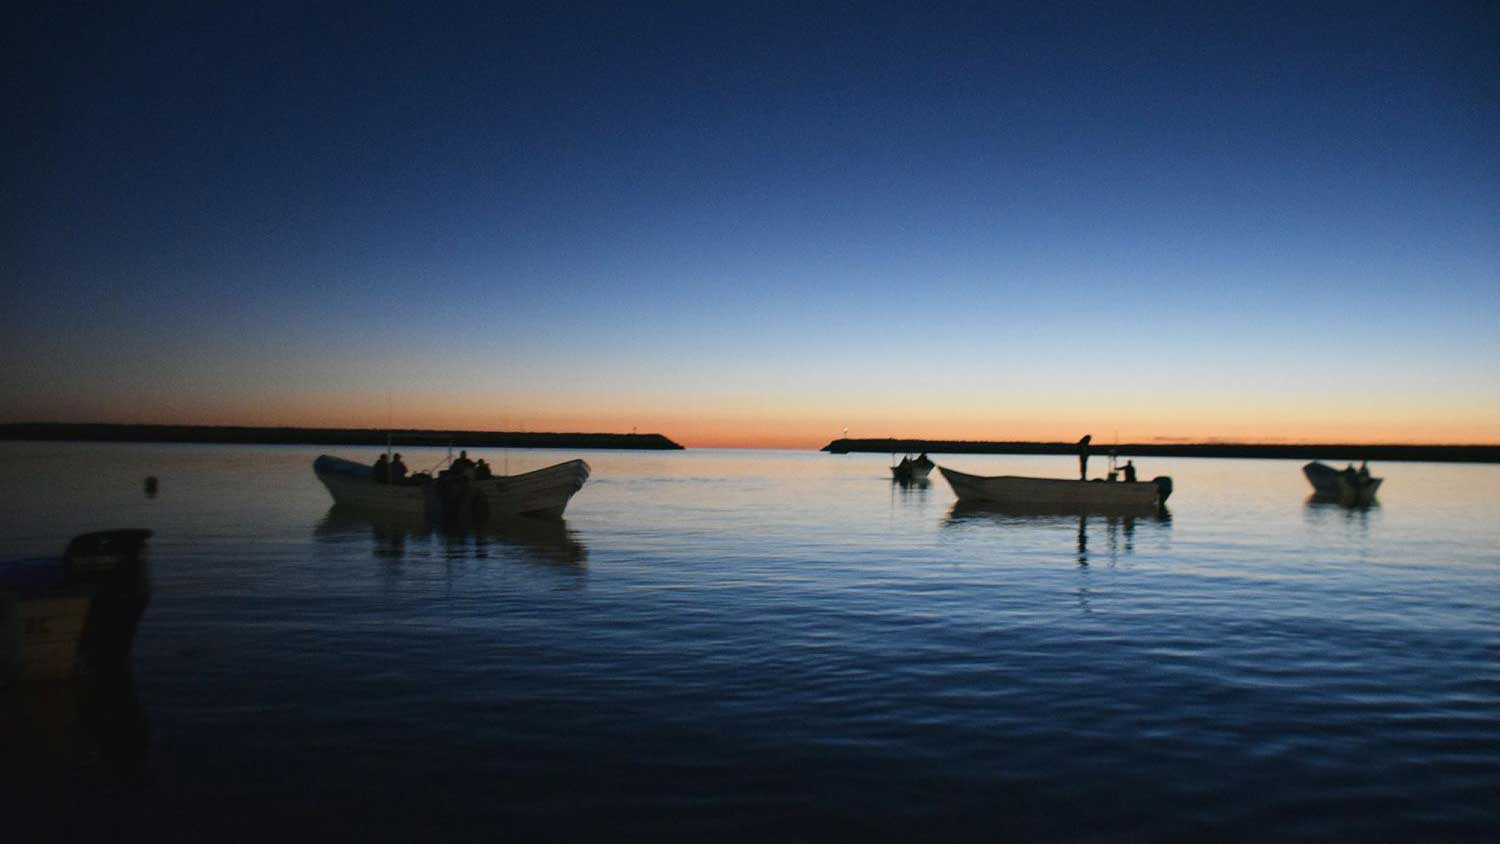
(544, 492)
(1059, 495)
(78, 611)
(1348, 486)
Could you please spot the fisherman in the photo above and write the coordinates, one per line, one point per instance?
(463, 465)
(382, 472)
(1129, 470)
(482, 469)
(398, 470)
(1083, 457)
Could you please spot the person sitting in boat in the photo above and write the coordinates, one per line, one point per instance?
(1364, 470)
(382, 473)
(463, 465)
(1129, 470)
(397, 470)
(482, 469)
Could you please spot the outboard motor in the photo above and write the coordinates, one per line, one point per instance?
(1163, 489)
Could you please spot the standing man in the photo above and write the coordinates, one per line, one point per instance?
(1083, 457)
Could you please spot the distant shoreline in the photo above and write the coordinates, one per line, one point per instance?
(1425, 453)
(244, 435)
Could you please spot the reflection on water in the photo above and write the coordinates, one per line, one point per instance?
(393, 535)
(94, 727)
(755, 628)
(1118, 530)
(1320, 507)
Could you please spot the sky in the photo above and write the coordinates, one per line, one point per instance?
(759, 226)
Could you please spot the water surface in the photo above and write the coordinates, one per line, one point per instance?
(777, 646)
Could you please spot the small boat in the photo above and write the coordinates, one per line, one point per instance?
(448, 498)
(1058, 495)
(912, 468)
(1347, 486)
(77, 612)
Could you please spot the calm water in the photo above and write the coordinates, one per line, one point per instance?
(776, 646)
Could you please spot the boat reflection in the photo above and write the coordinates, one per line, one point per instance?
(1334, 503)
(1322, 510)
(1119, 528)
(395, 535)
(911, 489)
(58, 733)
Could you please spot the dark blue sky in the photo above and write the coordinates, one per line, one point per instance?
(584, 216)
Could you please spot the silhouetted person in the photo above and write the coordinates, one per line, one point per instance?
(463, 465)
(398, 470)
(1083, 457)
(1129, 471)
(482, 469)
(382, 470)
(1364, 470)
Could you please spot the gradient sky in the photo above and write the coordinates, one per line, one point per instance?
(759, 227)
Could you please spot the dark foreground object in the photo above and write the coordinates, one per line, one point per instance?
(56, 431)
(1426, 453)
(77, 613)
(1349, 487)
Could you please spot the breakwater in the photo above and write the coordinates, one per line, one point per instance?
(57, 431)
(1431, 453)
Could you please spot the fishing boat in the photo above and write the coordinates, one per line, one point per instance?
(1059, 495)
(1349, 486)
(454, 497)
(912, 468)
(77, 612)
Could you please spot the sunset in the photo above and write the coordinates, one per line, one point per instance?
(775, 422)
(757, 230)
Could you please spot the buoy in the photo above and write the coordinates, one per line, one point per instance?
(151, 486)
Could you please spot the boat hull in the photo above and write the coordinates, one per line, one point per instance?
(1058, 495)
(544, 493)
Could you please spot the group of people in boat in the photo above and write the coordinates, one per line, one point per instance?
(1357, 477)
(477, 470)
(393, 471)
(1128, 470)
(389, 471)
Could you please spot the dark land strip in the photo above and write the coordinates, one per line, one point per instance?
(1429, 453)
(57, 431)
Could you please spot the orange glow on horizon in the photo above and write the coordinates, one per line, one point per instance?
(801, 434)
(788, 422)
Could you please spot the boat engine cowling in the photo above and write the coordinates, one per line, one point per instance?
(1163, 488)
